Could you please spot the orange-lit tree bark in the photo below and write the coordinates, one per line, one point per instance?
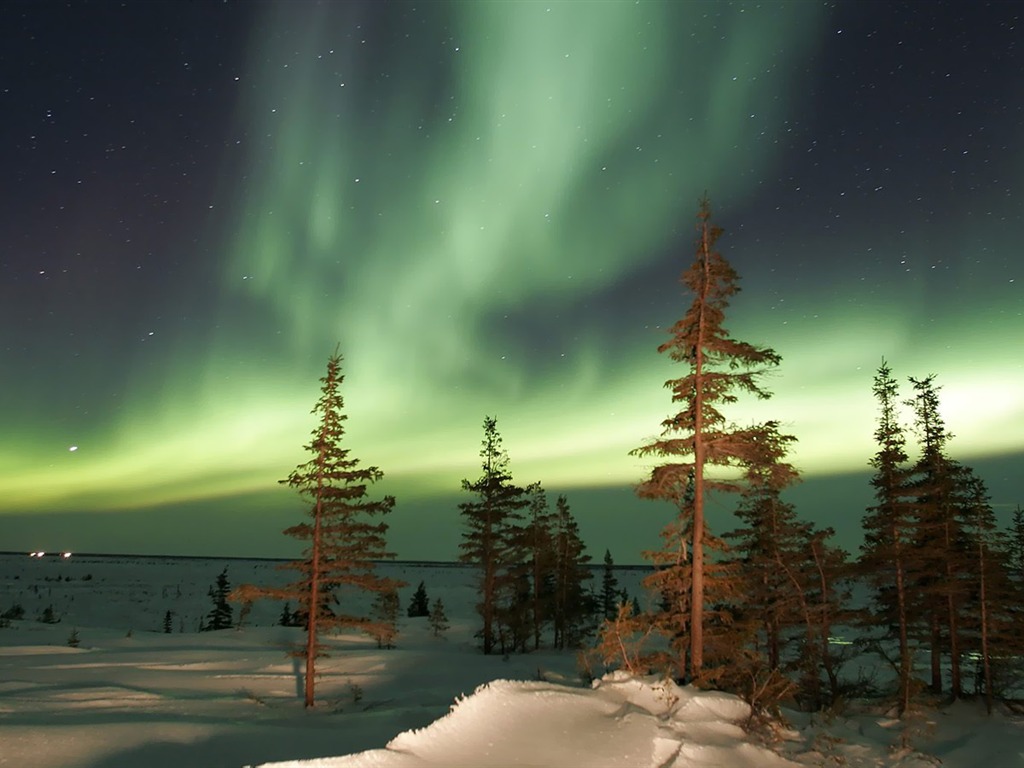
(343, 535)
(698, 436)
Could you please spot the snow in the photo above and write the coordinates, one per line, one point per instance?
(131, 696)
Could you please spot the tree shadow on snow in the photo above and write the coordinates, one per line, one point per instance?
(245, 746)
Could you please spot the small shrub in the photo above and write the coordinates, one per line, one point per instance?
(438, 619)
(73, 640)
(48, 616)
(356, 690)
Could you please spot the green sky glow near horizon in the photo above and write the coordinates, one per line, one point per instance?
(494, 222)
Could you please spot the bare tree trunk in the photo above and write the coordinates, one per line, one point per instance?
(697, 573)
(906, 662)
(954, 640)
(825, 621)
(986, 659)
(936, 654)
(314, 606)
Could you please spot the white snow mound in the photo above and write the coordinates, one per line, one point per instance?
(622, 722)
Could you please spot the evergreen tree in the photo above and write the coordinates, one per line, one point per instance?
(609, 588)
(438, 620)
(419, 605)
(168, 622)
(698, 436)
(777, 577)
(571, 604)
(1016, 545)
(771, 549)
(288, 618)
(542, 558)
(221, 614)
(48, 616)
(938, 486)
(343, 534)
(887, 560)
(489, 541)
(991, 626)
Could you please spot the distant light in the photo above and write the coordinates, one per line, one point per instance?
(73, 448)
(66, 555)
(36, 554)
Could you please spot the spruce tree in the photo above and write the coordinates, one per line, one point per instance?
(571, 603)
(438, 620)
(938, 486)
(698, 437)
(221, 615)
(489, 543)
(609, 588)
(887, 560)
(540, 544)
(420, 604)
(343, 534)
(1015, 545)
(288, 618)
(772, 563)
(991, 623)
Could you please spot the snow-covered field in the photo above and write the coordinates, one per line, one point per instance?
(132, 695)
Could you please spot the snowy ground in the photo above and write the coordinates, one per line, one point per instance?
(130, 695)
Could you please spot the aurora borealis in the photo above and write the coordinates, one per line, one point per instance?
(487, 205)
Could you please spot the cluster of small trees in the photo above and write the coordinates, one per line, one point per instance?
(531, 560)
(752, 610)
(944, 577)
(421, 606)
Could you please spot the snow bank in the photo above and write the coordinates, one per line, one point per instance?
(622, 722)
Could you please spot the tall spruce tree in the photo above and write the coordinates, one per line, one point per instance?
(887, 559)
(990, 624)
(698, 437)
(490, 541)
(344, 535)
(540, 543)
(939, 486)
(572, 604)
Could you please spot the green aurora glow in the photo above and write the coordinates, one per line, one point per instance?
(494, 223)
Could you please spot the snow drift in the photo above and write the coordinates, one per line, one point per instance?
(621, 722)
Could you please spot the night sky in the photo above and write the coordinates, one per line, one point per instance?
(488, 205)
